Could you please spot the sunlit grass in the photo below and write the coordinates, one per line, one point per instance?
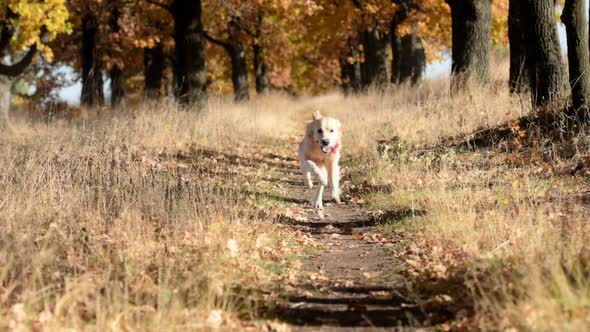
(131, 219)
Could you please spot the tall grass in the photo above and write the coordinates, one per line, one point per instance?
(129, 221)
(124, 220)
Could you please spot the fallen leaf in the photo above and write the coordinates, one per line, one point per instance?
(371, 275)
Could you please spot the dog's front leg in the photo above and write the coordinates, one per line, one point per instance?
(322, 176)
(306, 176)
(334, 179)
(319, 173)
(317, 203)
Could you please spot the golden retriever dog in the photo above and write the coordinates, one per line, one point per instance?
(319, 154)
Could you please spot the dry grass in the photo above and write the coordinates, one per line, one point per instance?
(129, 222)
(133, 220)
(509, 228)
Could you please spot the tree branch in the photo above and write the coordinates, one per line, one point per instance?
(406, 6)
(159, 4)
(19, 67)
(218, 42)
(6, 33)
(357, 4)
(239, 24)
(260, 19)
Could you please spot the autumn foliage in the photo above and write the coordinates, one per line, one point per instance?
(296, 45)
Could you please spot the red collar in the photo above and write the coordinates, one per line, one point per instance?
(335, 148)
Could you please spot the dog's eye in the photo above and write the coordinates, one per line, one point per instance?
(320, 131)
(331, 130)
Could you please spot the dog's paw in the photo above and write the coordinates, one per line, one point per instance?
(316, 203)
(337, 199)
(335, 195)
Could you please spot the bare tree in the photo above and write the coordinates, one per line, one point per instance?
(517, 30)
(574, 18)
(546, 72)
(472, 26)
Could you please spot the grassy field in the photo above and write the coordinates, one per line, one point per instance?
(147, 217)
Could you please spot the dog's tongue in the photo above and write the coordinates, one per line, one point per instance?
(326, 149)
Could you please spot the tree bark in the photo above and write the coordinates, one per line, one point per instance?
(517, 29)
(471, 36)
(239, 68)
(92, 83)
(374, 68)
(5, 85)
(350, 69)
(396, 42)
(260, 69)
(18, 68)
(408, 57)
(8, 72)
(413, 59)
(396, 58)
(153, 69)
(546, 73)
(239, 72)
(190, 75)
(117, 90)
(116, 72)
(574, 18)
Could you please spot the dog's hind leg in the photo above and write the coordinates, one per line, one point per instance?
(334, 180)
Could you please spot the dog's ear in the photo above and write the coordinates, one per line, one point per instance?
(309, 131)
(316, 115)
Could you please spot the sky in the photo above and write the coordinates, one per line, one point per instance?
(438, 69)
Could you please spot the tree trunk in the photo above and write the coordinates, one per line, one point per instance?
(413, 59)
(117, 90)
(5, 85)
(239, 67)
(409, 59)
(92, 83)
(239, 72)
(396, 59)
(260, 70)
(153, 69)
(546, 73)
(574, 18)
(8, 72)
(350, 69)
(116, 72)
(374, 68)
(471, 35)
(190, 75)
(517, 28)
(396, 42)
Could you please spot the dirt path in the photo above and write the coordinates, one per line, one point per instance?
(350, 281)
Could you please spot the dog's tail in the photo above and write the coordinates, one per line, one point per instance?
(316, 115)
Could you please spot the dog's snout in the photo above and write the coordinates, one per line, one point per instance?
(325, 141)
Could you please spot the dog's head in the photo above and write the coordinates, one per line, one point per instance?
(325, 132)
